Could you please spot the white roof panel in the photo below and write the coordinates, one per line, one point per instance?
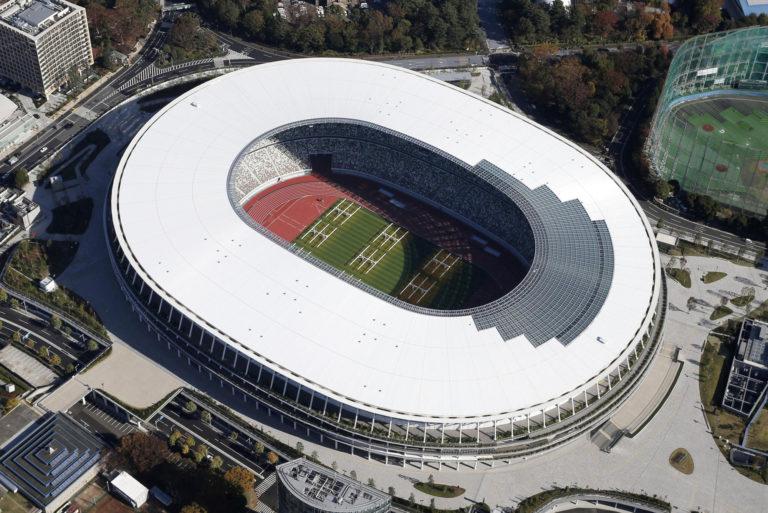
(178, 221)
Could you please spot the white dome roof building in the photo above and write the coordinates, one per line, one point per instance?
(532, 369)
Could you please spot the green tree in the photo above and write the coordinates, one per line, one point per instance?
(233, 436)
(200, 453)
(16, 337)
(55, 322)
(258, 448)
(43, 352)
(371, 482)
(3, 296)
(21, 178)
(70, 369)
(190, 407)
(174, 437)
(189, 441)
(205, 416)
(92, 345)
(216, 462)
(15, 303)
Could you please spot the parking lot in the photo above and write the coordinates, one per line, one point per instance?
(100, 422)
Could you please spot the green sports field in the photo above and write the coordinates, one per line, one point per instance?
(720, 148)
(389, 258)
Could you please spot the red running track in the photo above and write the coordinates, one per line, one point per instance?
(288, 208)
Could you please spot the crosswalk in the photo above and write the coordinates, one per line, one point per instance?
(152, 71)
(262, 489)
(264, 485)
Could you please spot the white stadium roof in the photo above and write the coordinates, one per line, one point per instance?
(184, 235)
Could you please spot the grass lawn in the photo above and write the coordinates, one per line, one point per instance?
(743, 301)
(440, 490)
(713, 276)
(72, 218)
(719, 312)
(758, 434)
(681, 276)
(682, 461)
(387, 257)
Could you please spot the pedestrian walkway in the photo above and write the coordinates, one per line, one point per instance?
(266, 484)
(152, 71)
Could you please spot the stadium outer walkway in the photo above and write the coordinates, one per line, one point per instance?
(639, 464)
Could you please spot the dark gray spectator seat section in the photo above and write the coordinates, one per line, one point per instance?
(570, 256)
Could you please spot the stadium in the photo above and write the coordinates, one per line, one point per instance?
(710, 129)
(392, 266)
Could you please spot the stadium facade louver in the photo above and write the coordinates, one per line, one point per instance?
(710, 129)
(360, 370)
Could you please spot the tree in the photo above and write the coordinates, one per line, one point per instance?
(241, 477)
(55, 322)
(69, 369)
(371, 482)
(334, 466)
(272, 458)
(391, 491)
(92, 345)
(233, 436)
(16, 337)
(258, 448)
(21, 178)
(190, 407)
(200, 453)
(174, 437)
(431, 480)
(143, 451)
(43, 352)
(205, 416)
(193, 508)
(300, 447)
(15, 303)
(189, 441)
(411, 499)
(3, 296)
(216, 462)
(55, 360)
(353, 474)
(314, 456)
(663, 189)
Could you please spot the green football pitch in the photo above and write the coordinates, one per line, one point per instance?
(363, 244)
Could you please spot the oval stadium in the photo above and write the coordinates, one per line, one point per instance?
(394, 266)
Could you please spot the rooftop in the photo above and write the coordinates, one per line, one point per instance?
(181, 233)
(33, 16)
(328, 490)
(754, 338)
(46, 458)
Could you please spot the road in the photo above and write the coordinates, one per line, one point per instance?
(214, 434)
(39, 330)
(620, 148)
